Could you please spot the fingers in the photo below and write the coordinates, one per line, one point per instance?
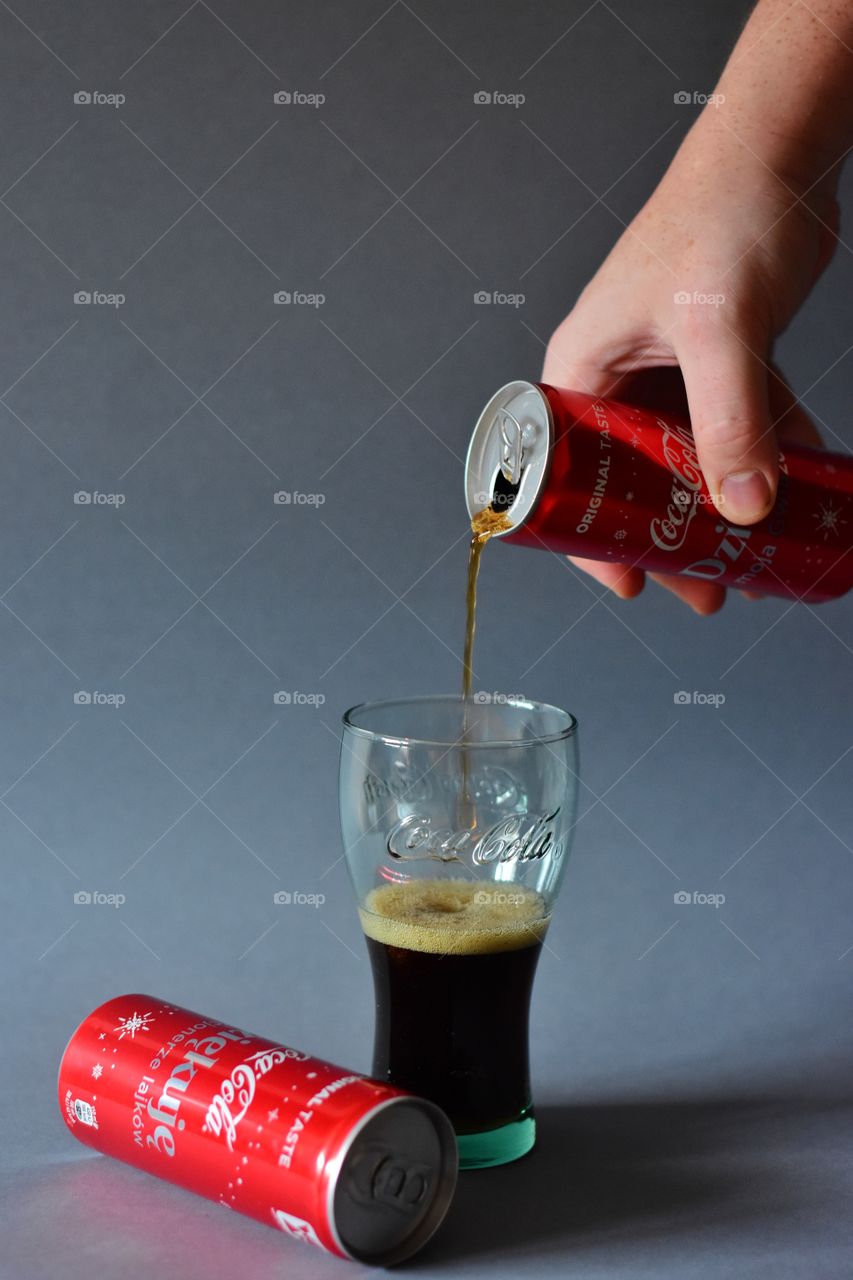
(564, 368)
(565, 365)
(576, 358)
(625, 581)
(727, 392)
(589, 352)
(703, 597)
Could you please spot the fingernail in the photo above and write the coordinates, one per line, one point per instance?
(745, 495)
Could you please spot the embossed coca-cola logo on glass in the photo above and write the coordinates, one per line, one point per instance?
(521, 837)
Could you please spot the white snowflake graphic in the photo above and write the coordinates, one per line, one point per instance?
(130, 1026)
(828, 520)
(620, 534)
(272, 1115)
(97, 1071)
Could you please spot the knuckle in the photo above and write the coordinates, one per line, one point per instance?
(717, 314)
(558, 346)
(726, 428)
(698, 324)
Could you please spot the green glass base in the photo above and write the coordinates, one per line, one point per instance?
(497, 1146)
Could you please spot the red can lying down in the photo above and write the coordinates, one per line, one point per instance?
(325, 1155)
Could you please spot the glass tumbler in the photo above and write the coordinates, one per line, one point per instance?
(457, 818)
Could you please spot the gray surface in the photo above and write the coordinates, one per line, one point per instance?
(693, 1080)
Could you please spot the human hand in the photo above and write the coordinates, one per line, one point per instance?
(746, 246)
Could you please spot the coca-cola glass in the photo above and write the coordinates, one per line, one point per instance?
(457, 818)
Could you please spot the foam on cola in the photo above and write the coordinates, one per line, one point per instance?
(455, 917)
(453, 965)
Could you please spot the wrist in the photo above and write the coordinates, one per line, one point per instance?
(726, 142)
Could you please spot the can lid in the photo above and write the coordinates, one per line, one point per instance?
(509, 453)
(394, 1181)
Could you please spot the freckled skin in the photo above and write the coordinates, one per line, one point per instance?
(746, 213)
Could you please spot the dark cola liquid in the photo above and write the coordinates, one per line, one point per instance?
(484, 525)
(452, 1010)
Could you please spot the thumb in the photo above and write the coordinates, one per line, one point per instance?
(726, 384)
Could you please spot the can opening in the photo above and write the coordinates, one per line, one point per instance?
(504, 492)
(509, 454)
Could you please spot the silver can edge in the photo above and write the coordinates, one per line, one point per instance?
(483, 454)
(442, 1196)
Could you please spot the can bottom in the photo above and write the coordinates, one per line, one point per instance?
(497, 1146)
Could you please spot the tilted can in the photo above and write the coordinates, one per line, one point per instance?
(591, 477)
(325, 1155)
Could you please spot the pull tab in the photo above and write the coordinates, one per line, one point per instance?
(512, 447)
(382, 1178)
(401, 1184)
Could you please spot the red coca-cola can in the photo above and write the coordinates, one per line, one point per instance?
(355, 1166)
(595, 478)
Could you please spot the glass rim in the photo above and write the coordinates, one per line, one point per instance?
(401, 740)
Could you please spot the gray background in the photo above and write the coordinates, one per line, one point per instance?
(691, 1063)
